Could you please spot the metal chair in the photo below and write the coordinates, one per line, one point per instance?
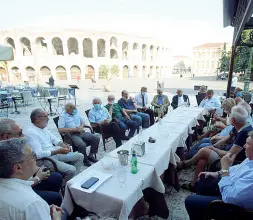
(27, 96)
(4, 108)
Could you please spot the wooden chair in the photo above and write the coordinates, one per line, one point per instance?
(229, 211)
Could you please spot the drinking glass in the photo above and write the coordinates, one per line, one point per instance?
(122, 176)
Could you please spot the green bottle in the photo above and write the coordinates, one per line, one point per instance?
(134, 163)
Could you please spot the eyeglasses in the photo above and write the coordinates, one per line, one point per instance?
(14, 134)
(33, 156)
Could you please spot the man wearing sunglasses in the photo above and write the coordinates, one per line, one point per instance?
(18, 200)
(47, 185)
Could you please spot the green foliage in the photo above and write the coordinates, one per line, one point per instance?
(103, 72)
(241, 59)
(224, 60)
(180, 66)
(114, 70)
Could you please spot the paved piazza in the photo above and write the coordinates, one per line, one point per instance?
(85, 95)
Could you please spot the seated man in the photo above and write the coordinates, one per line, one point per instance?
(160, 103)
(235, 184)
(100, 115)
(72, 122)
(44, 144)
(237, 137)
(130, 108)
(46, 185)
(180, 99)
(210, 103)
(141, 101)
(118, 113)
(18, 201)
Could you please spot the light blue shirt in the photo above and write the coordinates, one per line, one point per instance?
(237, 188)
(250, 121)
(226, 131)
(70, 121)
(97, 116)
(213, 103)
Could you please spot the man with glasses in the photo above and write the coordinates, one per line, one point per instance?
(18, 201)
(46, 144)
(46, 185)
(70, 121)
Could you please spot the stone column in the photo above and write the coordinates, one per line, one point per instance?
(50, 48)
(107, 49)
(68, 72)
(65, 47)
(94, 48)
(19, 49)
(80, 48)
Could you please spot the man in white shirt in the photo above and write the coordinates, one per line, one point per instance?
(18, 201)
(141, 103)
(234, 83)
(44, 144)
(210, 103)
(180, 99)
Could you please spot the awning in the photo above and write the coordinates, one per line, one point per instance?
(6, 53)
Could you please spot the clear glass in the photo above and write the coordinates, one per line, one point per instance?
(122, 176)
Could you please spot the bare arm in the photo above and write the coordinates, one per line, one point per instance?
(130, 111)
(221, 142)
(234, 150)
(68, 130)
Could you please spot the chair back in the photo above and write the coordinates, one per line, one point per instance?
(27, 96)
(65, 91)
(47, 93)
(56, 119)
(41, 92)
(61, 92)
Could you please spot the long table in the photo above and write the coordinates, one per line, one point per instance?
(111, 200)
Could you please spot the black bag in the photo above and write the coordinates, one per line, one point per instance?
(207, 186)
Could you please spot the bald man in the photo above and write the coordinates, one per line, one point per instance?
(180, 99)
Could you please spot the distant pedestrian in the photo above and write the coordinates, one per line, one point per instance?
(234, 83)
(51, 81)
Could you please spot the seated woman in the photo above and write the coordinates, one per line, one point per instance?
(160, 103)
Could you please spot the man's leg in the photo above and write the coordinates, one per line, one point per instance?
(52, 183)
(52, 198)
(132, 125)
(145, 119)
(114, 130)
(138, 119)
(150, 112)
(197, 147)
(197, 206)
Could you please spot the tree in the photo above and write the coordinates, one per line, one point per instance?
(180, 66)
(103, 72)
(224, 60)
(114, 71)
(241, 59)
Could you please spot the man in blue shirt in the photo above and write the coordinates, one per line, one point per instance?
(210, 103)
(101, 120)
(128, 105)
(235, 185)
(70, 121)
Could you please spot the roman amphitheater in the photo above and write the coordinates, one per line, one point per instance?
(75, 54)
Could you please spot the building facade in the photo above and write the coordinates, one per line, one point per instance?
(77, 54)
(206, 58)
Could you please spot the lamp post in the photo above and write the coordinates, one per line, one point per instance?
(248, 74)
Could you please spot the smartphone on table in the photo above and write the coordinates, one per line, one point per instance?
(89, 183)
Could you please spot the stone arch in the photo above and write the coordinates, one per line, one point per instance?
(73, 46)
(45, 73)
(61, 73)
(125, 71)
(151, 52)
(41, 45)
(144, 52)
(30, 72)
(90, 73)
(151, 70)
(157, 51)
(135, 51)
(16, 73)
(125, 50)
(87, 48)
(158, 75)
(101, 48)
(114, 42)
(57, 46)
(114, 70)
(26, 46)
(113, 54)
(135, 71)
(9, 41)
(3, 74)
(103, 72)
(144, 72)
(75, 72)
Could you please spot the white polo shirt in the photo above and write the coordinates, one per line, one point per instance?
(18, 201)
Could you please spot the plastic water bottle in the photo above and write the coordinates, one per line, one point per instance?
(134, 163)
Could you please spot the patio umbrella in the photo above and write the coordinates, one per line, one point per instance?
(6, 53)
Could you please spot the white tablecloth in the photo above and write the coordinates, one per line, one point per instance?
(111, 200)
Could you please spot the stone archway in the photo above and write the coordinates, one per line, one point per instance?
(158, 75)
(57, 46)
(30, 72)
(75, 72)
(143, 72)
(3, 75)
(73, 46)
(45, 73)
(125, 72)
(90, 73)
(151, 52)
(135, 72)
(136, 55)
(87, 48)
(144, 52)
(16, 73)
(101, 48)
(61, 73)
(10, 42)
(113, 42)
(113, 54)
(41, 45)
(26, 46)
(125, 50)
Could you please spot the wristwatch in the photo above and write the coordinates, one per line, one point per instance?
(221, 172)
(39, 181)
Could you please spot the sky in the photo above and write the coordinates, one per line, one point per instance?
(181, 24)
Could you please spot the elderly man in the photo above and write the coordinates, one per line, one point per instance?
(235, 184)
(237, 138)
(18, 201)
(46, 185)
(100, 115)
(72, 122)
(180, 99)
(130, 108)
(45, 144)
(141, 101)
(119, 113)
(209, 102)
(160, 103)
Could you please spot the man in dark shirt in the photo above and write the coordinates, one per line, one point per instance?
(129, 106)
(118, 113)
